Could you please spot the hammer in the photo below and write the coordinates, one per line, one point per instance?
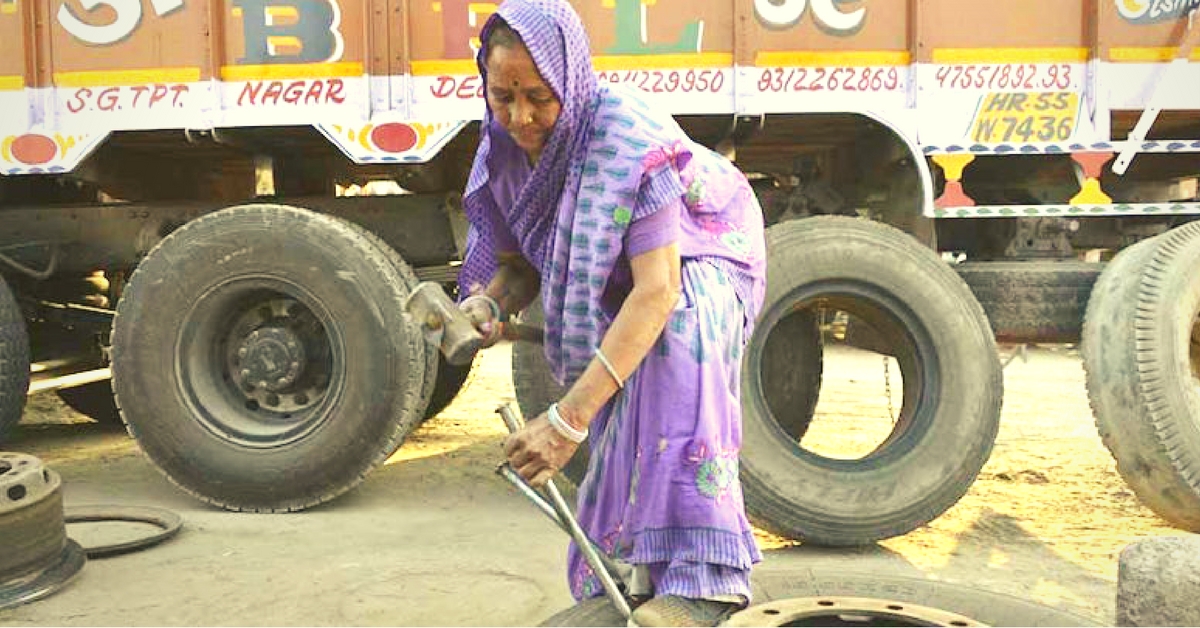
(451, 329)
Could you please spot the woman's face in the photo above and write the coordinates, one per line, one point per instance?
(521, 101)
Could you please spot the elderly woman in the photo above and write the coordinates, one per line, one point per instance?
(648, 253)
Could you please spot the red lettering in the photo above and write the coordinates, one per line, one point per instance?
(179, 90)
(314, 92)
(274, 90)
(107, 100)
(294, 92)
(79, 100)
(469, 88)
(249, 92)
(138, 90)
(444, 87)
(159, 93)
(334, 94)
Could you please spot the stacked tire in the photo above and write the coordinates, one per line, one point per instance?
(1141, 353)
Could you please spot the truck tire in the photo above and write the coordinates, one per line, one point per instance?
(952, 385)
(14, 360)
(992, 609)
(536, 388)
(93, 400)
(1141, 349)
(1032, 301)
(262, 359)
(450, 380)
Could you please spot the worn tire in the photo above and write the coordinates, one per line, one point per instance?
(992, 609)
(1139, 338)
(450, 380)
(14, 360)
(1032, 301)
(93, 400)
(262, 278)
(536, 388)
(952, 386)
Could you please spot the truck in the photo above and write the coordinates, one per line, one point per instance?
(212, 211)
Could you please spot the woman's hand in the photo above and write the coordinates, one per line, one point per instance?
(538, 451)
(484, 313)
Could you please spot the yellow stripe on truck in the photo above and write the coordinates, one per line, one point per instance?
(827, 58)
(698, 60)
(284, 71)
(112, 78)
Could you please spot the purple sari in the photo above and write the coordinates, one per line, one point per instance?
(662, 488)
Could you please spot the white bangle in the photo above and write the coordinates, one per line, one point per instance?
(609, 367)
(564, 428)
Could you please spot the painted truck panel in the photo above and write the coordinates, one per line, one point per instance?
(388, 80)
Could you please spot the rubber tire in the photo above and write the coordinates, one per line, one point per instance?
(14, 360)
(451, 379)
(1135, 355)
(952, 401)
(93, 400)
(992, 609)
(536, 387)
(337, 268)
(1032, 301)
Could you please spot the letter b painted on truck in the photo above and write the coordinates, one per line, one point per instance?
(829, 15)
(310, 25)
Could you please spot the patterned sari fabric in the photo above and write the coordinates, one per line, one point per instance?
(662, 488)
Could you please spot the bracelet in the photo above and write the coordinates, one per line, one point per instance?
(609, 367)
(492, 304)
(564, 428)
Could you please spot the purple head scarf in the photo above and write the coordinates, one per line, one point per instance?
(554, 36)
(608, 161)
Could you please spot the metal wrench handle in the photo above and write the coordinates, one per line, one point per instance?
(567, 519)
(506, 471)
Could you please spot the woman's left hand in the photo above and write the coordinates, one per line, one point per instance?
(538, 451)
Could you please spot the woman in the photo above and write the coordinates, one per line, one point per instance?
(648, 253)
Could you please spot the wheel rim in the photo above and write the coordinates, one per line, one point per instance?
(260, 362)
(909, 342)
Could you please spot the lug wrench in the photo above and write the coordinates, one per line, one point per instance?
(560, 512)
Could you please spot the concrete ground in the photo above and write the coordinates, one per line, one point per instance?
(435, 538)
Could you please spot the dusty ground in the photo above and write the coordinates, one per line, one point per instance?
(434, 538)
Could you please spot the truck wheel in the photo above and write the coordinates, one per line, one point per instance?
(14, 360)
(262, 359)
(536, 388)
(992, 609)
(450, 380)
(952, 387)
(1141, 354)
(93, 400)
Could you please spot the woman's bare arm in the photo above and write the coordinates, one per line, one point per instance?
(515, 284)
(539, 451)
(639, 322)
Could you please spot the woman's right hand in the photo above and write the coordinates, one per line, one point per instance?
(484, 313)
